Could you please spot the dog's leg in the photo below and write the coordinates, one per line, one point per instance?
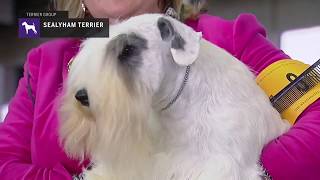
(34, 30)
(99, 172)
(226, 168)
(182, 166)
(102, 171)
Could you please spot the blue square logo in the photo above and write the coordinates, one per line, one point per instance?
(29, 27)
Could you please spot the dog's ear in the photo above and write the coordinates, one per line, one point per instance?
(185, 42)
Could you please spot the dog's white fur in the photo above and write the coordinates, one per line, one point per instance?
(28, 27)
(215, 130)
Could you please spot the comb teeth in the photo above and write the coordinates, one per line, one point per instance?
(297, 88)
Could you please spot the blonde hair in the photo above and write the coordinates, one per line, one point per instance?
(185, 8)
(72, 6)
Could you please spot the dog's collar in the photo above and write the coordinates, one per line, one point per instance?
(173, 13)
(183, 84)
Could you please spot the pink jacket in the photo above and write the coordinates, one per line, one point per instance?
(29, 148)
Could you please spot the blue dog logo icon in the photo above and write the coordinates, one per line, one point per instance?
(28, 27)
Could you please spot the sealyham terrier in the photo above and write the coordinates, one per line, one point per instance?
(155, 101)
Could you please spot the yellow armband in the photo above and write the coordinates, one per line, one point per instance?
(291, 86)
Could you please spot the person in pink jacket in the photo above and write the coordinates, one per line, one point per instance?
(29, 146)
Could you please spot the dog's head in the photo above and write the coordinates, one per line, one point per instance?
(113, 82)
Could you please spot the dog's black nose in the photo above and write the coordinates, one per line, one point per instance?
(82, 97)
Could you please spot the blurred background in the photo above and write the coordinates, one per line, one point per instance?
(292, 25)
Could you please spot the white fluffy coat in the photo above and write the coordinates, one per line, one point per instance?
(215, 130)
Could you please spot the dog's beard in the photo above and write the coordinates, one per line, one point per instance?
(77, 129)
(115, 127)
(122, 124)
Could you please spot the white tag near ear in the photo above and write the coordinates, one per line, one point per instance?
(190, 53)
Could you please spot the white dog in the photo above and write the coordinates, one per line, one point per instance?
(28, 27)
(155, 101)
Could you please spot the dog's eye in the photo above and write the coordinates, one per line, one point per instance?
(82, 97)
(127, 52)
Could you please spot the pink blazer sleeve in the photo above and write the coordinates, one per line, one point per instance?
(294, 155)
(15, 132)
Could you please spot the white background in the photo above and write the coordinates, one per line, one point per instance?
(302, 44)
